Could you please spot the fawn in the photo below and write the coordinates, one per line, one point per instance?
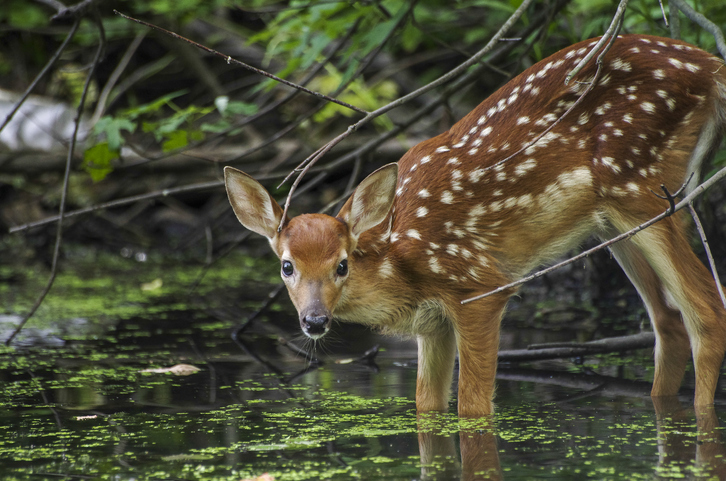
(419, 236)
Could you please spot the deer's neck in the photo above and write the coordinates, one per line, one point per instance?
(381, 292)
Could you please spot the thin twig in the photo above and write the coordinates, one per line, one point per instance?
(701, 233)
(675, 25)
(231, 60)
(123, 63)
(704, 23)
(121, 202)
(662, 11)
(686, 200)
(610, 32)
(64, 194)
(271, 297)
(42, 73)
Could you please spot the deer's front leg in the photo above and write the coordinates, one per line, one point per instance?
(477, 338)
(436, 356)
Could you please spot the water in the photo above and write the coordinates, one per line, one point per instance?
(78, 401)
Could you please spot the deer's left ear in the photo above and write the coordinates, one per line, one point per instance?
(371, 201)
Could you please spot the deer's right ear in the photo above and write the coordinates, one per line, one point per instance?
(372, 200)
(252, 204)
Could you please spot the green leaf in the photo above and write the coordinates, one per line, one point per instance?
(217, 127)
(177, 140)
(97, 161)
(152, 107)
(241, 108)
(196, 135)
(111, 127)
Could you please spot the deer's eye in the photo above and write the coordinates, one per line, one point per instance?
(287, 269)
(343, 268)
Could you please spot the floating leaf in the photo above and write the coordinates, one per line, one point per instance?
(177, 370)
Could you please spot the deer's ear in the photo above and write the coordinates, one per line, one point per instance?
(371, 201)
(252, 204)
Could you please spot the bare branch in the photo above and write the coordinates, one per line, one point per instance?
(675, 20)
(662, 11)
(612, 31)
(101, 104)
(230, 60)
(701, 233)
(704, 23)
(642, 340)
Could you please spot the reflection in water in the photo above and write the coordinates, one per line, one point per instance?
(479, 456)
(676, 446)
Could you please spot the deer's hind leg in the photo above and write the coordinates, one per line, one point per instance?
(672, 348)
(688, 287)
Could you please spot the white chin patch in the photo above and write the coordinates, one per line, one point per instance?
(315, 337)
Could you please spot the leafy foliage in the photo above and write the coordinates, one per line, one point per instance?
(173, 110)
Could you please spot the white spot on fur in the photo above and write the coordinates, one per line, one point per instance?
(386, 268)
(610, 162)
(659, 74)
(648, 107)
(620, 64)
(676, 63)
(423, 193)
(443, 148)
(425, 159)
(628, 118)
(447, 197)
(692, 67)
(421, 212)
(413, 234)
(435, 266)
(476, 175)
(603, 108)
(523, 120)
(525, 167)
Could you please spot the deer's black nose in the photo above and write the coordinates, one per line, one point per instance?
(315, 326)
